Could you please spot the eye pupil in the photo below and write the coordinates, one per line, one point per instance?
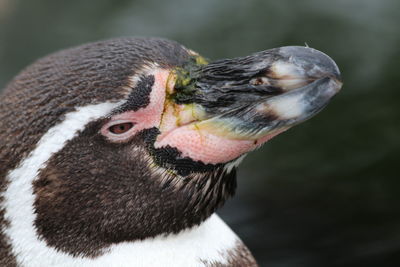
(121, 128)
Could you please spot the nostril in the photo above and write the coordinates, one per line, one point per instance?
(260, 81)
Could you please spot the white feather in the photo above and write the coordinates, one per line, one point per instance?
(231, 165)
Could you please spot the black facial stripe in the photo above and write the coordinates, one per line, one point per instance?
(140, 95)
(170, 157)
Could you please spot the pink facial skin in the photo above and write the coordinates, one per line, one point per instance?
(197, 144)
(144, 118)
(202, 146)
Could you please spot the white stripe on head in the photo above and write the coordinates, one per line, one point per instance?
(210, 241)
(19, 197)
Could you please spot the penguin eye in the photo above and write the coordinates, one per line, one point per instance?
(120, 128)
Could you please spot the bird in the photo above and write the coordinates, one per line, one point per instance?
(119, 152)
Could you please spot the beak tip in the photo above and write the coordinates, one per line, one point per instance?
(316, 63)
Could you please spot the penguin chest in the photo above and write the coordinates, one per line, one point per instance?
(211, 243)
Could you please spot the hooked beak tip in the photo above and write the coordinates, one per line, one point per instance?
(298, 66)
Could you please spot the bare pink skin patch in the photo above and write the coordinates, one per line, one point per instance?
(144, 118)
(203, 146)
(177, 124)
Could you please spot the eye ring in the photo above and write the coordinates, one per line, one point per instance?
(120, 128)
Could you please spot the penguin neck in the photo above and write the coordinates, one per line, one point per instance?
(52, 205)
(146, 209)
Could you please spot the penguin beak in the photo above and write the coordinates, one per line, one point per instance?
(227, 108)
(292, 84)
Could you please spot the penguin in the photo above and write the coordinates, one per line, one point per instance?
(119, 152)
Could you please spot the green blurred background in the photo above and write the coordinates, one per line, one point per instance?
(325, 193)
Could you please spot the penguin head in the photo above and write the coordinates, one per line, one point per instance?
(131, 138)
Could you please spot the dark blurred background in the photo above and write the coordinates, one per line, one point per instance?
(325, 193)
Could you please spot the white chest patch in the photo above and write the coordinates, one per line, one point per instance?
(210, 241)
